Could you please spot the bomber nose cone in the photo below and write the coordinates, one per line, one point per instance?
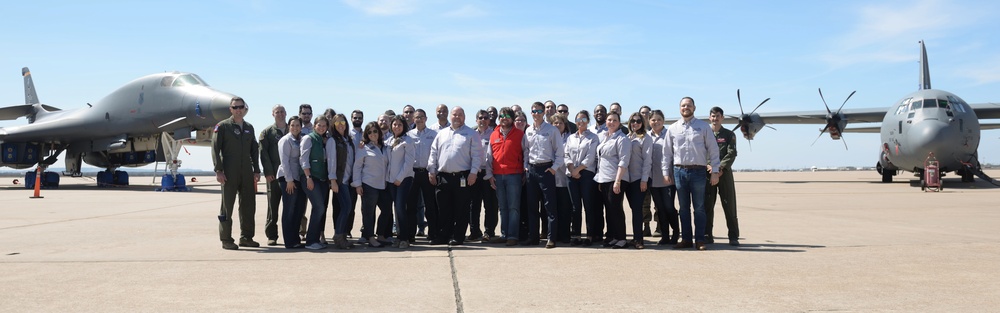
(219, 108)
(928, 136)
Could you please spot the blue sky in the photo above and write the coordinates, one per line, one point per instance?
(377, 55)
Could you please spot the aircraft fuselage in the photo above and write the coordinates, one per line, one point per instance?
(929, 121)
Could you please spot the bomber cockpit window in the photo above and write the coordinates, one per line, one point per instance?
(189, 80)
(167, 81)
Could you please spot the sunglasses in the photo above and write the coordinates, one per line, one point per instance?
(306, 113)
(582, 120)
(537, 111)
(339, 123)
(238, 107)
(563, 111)
(482, 118)
(636, 121)
(506, 116)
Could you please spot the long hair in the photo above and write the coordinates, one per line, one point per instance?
(293, 119)
(396, 139)
(641, 132)
(333, 129)
(372, 127)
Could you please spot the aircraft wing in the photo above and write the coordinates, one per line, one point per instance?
(864, 129)
(819, 117)
(989, 126)
(986, 110)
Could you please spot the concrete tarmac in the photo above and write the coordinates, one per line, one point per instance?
(812, 241)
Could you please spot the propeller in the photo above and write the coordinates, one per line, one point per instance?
(833, 120)
(745, 119)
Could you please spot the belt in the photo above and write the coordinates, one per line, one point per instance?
(691, 167)
(546, 164)
(419, 169)
(459, 173)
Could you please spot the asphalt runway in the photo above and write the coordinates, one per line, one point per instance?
(812, 241)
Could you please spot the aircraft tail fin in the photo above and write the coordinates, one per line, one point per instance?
(30, 97)
(925, 73)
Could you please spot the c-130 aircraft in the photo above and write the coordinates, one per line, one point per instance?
(927, 121)
(147, 120)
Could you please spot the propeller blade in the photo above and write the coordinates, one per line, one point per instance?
(845, 101)
(844, 141)
(821, 132)
(758, 106)
(750, 144)
(824, 100)
(739, 101)
(769, 126)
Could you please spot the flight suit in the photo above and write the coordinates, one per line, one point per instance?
(235, 153)
(726, 189)
(269, 161)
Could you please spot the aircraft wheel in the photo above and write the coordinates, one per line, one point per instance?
(886, 176)
(923, 184)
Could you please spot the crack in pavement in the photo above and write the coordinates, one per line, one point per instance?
(459, 307)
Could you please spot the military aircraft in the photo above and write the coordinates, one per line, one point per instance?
(147, 120)
(925, 122)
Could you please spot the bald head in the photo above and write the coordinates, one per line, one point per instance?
(457, 117)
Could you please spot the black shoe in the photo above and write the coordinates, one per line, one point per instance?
(709, 239)
(586, 242)
(474, 237)
(684, 245)
(454, 242)
(645, 230)
(551, 244)
(664, 242)
(574, 242)
(230, 246)
(249, 243)
(439, 242)
(734, 242)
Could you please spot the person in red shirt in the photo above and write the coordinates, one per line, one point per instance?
(507, 157)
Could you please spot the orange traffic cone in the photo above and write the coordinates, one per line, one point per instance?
(38, 184)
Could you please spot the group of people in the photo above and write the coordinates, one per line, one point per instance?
(531, 173)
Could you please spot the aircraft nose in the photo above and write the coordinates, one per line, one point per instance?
(928, 135)
(219, 107)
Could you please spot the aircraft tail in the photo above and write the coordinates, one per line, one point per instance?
(31, 108)
(925, 73)
(30, 97)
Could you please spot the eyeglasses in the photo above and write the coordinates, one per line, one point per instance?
(636, 121)
(238, 107)
(537, 111)
(339, 123)
(583, 120)
(563, 111)
(506, 116)
(483, 118)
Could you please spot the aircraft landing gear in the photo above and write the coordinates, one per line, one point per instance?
(886, 173)
(112, 178)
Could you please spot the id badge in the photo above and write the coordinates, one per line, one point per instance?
(461, 182)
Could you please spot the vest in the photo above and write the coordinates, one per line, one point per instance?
(317, 157)
(342, 149)
(508, 157)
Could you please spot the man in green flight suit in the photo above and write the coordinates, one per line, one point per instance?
(235, 155)
(269, 161)
(726, 189)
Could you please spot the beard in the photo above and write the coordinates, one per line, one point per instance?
(356, 124)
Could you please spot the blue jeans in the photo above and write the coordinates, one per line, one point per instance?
(371, 197)
(542, 186)
(691, 190)
(398, 195)
(583, 194)
(318, 199)
(509, 199)
(294, 207)
(343, 197)
(635, 196)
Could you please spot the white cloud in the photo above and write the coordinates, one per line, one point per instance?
(383, 7)
(467, 11)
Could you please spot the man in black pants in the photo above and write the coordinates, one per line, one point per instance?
(453, 166)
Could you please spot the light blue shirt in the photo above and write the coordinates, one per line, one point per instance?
(691, 143)
(562, 178)
(288, 154)
(369, 167)
(641, 160)
(582, 150)
(422, 141)
(545, 144)
(656, 174)
(455, 151)
(484, 139)
(401, 157)
(614, 151)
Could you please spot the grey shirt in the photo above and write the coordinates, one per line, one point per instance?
(614, 151)
(582, 150)
(356, 136)
(484, 139)
(562, 178)
(657, 173)
(455, 150)
(641, 160)
(422, 141)
(545, 144)
(401, 157)
(691, 143)
(369, 167)
(288, 154)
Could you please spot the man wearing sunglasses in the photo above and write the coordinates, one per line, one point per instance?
(545, 156)
(235, 156)
(564, 110)
(306, 115)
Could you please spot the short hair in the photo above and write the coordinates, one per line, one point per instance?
(550, 101)
(615, 103)
(537, 104)
(600, 107)
(483, 113)
(506, 111)
(716, 110)
(404, 107)
(390, 113)
(304, 106)
(645, 107)
(321, 118)
(369, 128)
(358, 112)
(562, 105)
(689, 98)
(561, 118)
(276, 106)
(237, 99)
(420, 111)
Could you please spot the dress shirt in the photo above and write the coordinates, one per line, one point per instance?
(545, 144)
(455, 150)
(691, 143)
(582, 150)
(614, 151)
(369, 167)
(562, 177)
(641, 160)
(356, 134)
(656, 172)
(422, 141)
(484, 139)
(288, 154)
(599, 129)
(401, 159)
(439, 127)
